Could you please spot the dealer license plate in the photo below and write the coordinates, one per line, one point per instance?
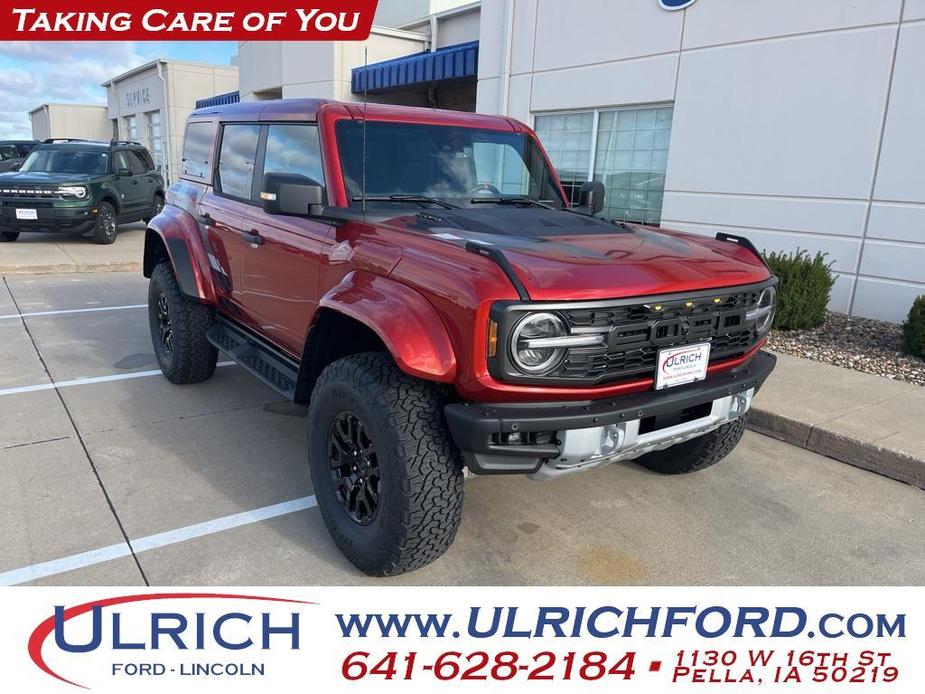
(27, 214)
(680, 365)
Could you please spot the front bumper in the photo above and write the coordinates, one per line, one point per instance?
(582, 435)
(69, 219)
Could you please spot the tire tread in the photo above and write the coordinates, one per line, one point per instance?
(696, 454)
(194, 358)
(431, 476)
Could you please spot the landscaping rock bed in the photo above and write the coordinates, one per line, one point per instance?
(862, 344)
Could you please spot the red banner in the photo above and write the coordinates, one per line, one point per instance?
(177, 20)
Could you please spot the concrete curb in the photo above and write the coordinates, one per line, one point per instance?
(70, 268)
(48, 254)
(845, 449)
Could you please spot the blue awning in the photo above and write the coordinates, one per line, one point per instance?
(219, 100)
(448, 63)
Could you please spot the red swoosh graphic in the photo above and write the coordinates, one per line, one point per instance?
(43, 630)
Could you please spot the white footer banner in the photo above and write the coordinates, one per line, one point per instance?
(389, 639)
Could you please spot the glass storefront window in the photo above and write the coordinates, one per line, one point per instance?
(567, 138)
(155, 142)
(629, 149)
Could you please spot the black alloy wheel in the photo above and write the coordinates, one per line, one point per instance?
(106, 224)
(156, 208)
(165, 328)
(354, 468)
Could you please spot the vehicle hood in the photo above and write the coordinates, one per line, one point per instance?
(42, 178)
(562, 255)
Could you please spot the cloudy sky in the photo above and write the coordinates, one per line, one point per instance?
(33, 73)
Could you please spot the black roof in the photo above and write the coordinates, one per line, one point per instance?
(18, 142)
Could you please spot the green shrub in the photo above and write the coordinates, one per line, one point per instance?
(914, 329)
(805, 285)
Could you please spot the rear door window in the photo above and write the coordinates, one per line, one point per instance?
(137, 162)
(236, 160)
(121, 159)
(197, 149)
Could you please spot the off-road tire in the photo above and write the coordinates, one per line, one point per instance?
(9, 236)
(420, 480)
(698, 453)
(107, 224)
(191, 358)
(156, 206)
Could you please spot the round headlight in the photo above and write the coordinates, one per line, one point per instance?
(763, 313)
(529, 353)
(79, 192)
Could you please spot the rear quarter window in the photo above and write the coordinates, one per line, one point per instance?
(197, 149)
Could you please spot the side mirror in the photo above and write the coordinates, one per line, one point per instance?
(123, 173)
(592, 197)
(15, 167)
(291, 194)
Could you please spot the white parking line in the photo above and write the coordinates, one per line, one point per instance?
(88, 381)
(145, 544)
(72, 310)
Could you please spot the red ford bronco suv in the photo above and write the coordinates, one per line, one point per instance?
(419, 279)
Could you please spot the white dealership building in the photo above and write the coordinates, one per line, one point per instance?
(795, 123)
(149, 104)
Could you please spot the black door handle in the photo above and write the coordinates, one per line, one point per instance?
(206, 219)
(252, 237)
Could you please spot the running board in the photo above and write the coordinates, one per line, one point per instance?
(276, 370)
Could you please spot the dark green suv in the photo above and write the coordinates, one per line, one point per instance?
(80, 187)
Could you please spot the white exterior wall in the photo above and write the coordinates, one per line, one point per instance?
(317, 69)
(41, 122)
(796, 124)
(143, 92)
(459, 26)
(85, 121)
(396, 13)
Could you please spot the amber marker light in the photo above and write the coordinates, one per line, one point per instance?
(492, 338)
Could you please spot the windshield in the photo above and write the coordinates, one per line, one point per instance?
(63, 160)
(449, 163)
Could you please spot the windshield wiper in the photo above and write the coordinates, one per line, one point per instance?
(514, 200)
(406, 198)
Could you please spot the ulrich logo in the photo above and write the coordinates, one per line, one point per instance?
(682, 359)
(179, 631)
(675, 4)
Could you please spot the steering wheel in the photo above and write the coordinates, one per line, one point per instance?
(483, 188)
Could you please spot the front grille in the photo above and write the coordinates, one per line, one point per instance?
(601, 365)
(28, 192)
(635, 331)
(612, 316)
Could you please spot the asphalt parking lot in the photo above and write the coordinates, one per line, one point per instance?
(110, 475)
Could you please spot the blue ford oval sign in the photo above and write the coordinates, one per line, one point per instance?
(675, 4)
